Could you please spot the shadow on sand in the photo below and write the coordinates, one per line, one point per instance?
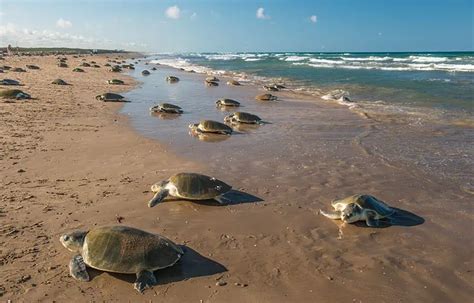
(235, 197)
(399, 218)
(191, 265)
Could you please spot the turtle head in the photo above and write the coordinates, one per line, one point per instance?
(228, 118)
(351, 213)
(160, 191)
(74, 240)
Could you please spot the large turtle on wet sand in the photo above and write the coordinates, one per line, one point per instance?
(190, 186)
(167, 108)
(227, 102)
(120, 249)
(243, 117)
(145, 72)
(110, 97)
(266, 97)
(210, 126)
(359, 208)
(115, 82)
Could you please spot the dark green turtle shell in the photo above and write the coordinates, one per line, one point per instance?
(244, 117)
(59, 82)
(212, 126)
(367, 202)
(128, 250)
(194, 186)
(227, 102)
(266, 97)
(109, 96)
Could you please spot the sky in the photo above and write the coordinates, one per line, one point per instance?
(240, 26)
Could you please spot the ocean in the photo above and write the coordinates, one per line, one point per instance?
(438, 81)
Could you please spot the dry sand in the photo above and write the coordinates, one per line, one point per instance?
(69, 162)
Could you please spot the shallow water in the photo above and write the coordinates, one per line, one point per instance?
(431, 80)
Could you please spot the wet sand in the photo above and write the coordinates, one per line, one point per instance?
(70, 162)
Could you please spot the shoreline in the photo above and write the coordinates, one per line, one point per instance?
(91, 166)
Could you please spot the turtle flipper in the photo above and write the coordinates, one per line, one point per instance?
(158, 197)
(78, 270)
(372, 222)
(223, 200)
(145, 279)
(335, 215)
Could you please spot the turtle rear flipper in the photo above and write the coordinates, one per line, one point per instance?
(145, 279)
(158, 197)
(78, 270)
(335, 215)
(223, 200)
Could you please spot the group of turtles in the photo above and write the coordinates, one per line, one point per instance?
(128, 250)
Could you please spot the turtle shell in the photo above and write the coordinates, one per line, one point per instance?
(367, 202)
(110, 96)
(211, 79)
(172, 79)
(145, 72)
(233, 82)
(169, 106)
(211, 126)
(227, 102)
(128, 250)
(115, 81)
(194, 186)
(14, 94)
(266, 97)
(59, 82)
(9, 82)
(246, 117)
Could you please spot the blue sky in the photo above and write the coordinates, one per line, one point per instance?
(225, 26)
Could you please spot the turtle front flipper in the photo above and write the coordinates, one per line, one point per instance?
(158, 197)
(78, 270)
(145, 279)
(335, 215)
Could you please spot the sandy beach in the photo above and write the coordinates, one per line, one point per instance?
(71, 162)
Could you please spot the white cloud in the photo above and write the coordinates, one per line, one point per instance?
(313, 18)
(193, 15)
(173, 12)
(261, 14)
(62, 23)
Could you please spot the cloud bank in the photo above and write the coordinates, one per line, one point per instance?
(173, 12)
(261, 14)
(313, 18)
(62, 23)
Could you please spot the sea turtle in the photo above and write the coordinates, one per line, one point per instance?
(145, 72)
(211, 83)
(9, 82)
(115, 81)
(14, 94)
(338, 95)
(266, 97)
(6, 67)
(78, 70)
(190, 186)
(93, 62)
(172, 79)
(18, 70)
(59, 82)
(115, 69)
(107, 64)
(32, 67)
(167, 108)
(359, 208)
(110, 97)
(270, 88)
(120, 249)
(233, 82)
(62, 64)
(212, 79)
(279, 86)
(227, 102)
(85, 64)
(96, 66)
(243, 117)
(210, 126)
(153, 68)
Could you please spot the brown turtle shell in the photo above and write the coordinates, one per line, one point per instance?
(194, 186)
